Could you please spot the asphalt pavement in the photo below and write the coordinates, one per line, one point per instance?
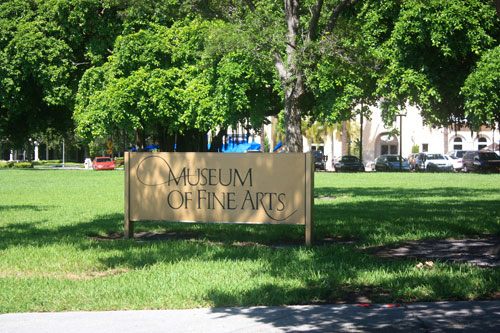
(480, 316)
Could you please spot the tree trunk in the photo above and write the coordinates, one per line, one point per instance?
(344, 138)
(217, 141)
(140, 138)
(165, 140)
(293, 130)
(497, 6)
(192, 140)
(292, 80)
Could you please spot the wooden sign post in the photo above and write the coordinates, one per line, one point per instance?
(215, 187)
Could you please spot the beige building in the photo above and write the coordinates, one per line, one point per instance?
(377, 139)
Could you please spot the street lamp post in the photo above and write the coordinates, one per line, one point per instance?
(400, 115)
(361, 135)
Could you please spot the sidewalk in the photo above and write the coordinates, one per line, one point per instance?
(481, 316)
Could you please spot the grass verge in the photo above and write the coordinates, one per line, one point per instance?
(55, 256)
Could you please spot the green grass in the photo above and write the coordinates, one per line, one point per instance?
(50, 259)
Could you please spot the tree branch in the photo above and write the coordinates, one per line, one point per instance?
(250, 5)
(80, 63)
(497, 6)
(313, 25)
(202, 7)
(280, 67)
(344, 4)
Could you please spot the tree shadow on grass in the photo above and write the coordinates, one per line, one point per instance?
(325, 273)
(40, 233)
(36, 208)
(379, 214)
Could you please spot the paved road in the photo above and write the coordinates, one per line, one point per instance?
(481, 316)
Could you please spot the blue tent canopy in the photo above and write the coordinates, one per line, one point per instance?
(278, 146)
(148, 148)
(241, 148)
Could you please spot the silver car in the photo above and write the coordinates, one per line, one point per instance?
(433, 162)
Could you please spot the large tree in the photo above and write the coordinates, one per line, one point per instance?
(431, 51)
(45, 47)
(296, 38)
(481, 90)
(162, 82)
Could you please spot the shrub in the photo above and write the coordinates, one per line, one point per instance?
(22, 165)
(6, 164)
(119, 162)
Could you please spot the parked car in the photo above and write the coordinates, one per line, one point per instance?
(432, 162)
(319, 160)
(481, 161)
(412, 159)
(370, 166)
(391, 163)
(103, 163)
(455, 162)
(349, 163)
(456, 156)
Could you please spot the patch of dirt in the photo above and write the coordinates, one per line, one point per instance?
(483, 252)
(148, 236)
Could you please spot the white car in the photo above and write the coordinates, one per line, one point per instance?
(433, 162)
(455, 161)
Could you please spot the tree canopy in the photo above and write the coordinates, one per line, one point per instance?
(171, 69)
(315, 47)
(433, 49)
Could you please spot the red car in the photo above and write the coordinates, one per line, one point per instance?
(103, 163)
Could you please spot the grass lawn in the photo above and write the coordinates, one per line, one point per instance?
(51, 259)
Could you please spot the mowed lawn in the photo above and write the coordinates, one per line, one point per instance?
(54, 255)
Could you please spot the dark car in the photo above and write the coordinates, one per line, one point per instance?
(481, 161)
(319, 160)
(391, 163)
(349, 163)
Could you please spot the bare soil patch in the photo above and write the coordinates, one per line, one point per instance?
(480, 252)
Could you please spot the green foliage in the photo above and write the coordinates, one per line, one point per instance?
(139, 88)
(160, 79)
(119, 162)
(16, 165)
(4, 165)
(166, 68)
(44, 48)
(415, 149)
(481, 91)
(431, 51)
(22, 165)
